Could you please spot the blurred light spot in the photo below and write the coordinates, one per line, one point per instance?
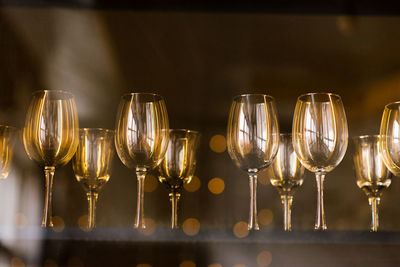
(50, 263)
(265, 216)
(143, 265)
(17, 262)
(264, 258)
(75, 262)
(187, 264)
(218, 143)
(240, 230)
(150, 183)
(83, 223)
(215, 265)
(216, 185)
(150, 227)
(59, 224)
(20, 220)
(265, 175)
(239, 265)
(191, 226)
(346, 25)
(193, 185)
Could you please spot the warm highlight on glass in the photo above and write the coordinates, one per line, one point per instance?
(371, 173)
(253, 139)
(92, 164)
(8, 136)
(320, 138)
(287, 176)
(390, 137)
(51, 136)
(178, 166)
(141, 138)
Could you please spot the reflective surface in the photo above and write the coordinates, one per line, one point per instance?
(253, 139)
(178, 166)
(92, 164)
(8, 136)
(51, 136)
(320, 138)
(371, 173)
(287, 176)
(141, 138)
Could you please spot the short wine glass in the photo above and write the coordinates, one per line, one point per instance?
(371, 173)
(8, 136)
(320, 138)
(287, 176)
(50, 136)
(253, 140)
(92, 164)
(141, 138)
(178, 166)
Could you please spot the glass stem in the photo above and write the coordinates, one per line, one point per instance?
(287, 201)
(174, 197)
(47, 220)
(374, 202)
(320, 219)
(139, 220)
(253, 222)
(92, 199)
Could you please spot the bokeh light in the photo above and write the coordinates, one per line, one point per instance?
(218, 143)
(194, 184)
(59, 224)
(20, 220)
(50, 263)
(150, 183)
(265, 217)
(83, 223)
(216, 186)
(240, 229)
(150, 227)
(187, 264)
(264, 258)
(191, 226)
(17, 262)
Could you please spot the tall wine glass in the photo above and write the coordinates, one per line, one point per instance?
(178, 166)
(141, 138)
(390, 137)
(371, 173)
(288, 176)
(8, 136)
(51, 136)
(92, 164)
(320, 138)
(253, 139)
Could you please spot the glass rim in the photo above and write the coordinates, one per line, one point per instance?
(299, 98)
(8, 127)
(265, 96)
(366, 136)
(157, 97)
(392, 104)
(184, 130)
(64, 92)
(96, 129)
(285, 134)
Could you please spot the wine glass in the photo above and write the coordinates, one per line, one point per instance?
(287, 176)
(7, 141)
(253, 140)
(141, 138)
(50, 136)
(92, 164)
(320, 138)
(390, 137)
(178, 166)
(372, 175)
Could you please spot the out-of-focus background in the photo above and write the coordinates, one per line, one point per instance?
(198, 61)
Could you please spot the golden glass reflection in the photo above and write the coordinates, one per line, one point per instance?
(50, 263)
(191, 226)
(75, 262)
(194, 184)
(150, 183)
(264, 258)
(141, 138)
(265, 216)
(8, 136)
(218, 143)
(83, 223)
(59, 224)
(150, 227)
(51, 136)
(216, 186)
(187, 264)
(17, 262)
(92, 165)
(240, 230)
(20, 220)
